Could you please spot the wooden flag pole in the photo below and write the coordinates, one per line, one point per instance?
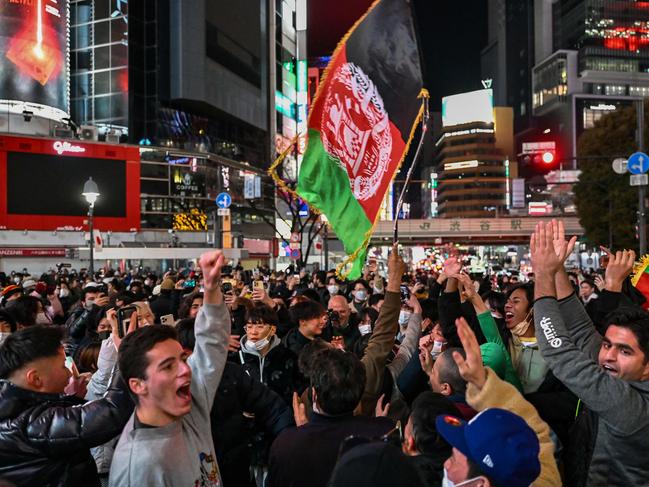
(404, 191)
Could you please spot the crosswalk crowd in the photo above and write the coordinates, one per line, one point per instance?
(220, 376)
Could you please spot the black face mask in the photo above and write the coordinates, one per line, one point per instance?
(103, 335)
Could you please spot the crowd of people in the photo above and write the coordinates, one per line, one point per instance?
(220, 376)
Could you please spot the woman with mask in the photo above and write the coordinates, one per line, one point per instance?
(65, 296)
(333, 286)
(264, 356)
(360, 294)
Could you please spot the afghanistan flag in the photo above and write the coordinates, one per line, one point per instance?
(361, 123)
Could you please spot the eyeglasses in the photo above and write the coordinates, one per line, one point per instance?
(393, 437)
(256, 326)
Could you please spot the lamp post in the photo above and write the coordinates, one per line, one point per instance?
(91, 193)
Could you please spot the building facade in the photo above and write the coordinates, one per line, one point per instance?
(474, 157)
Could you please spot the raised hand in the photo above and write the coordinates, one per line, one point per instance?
(562, 247)
(467, 286)
(396, 270)
(452, 266)
(413, 302)
(211, 264)
(545, 260)
(471, 368)
(618, 269)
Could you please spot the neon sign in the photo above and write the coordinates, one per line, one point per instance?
(61, 147)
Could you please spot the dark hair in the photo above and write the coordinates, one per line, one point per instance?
(132, 352)
(25, 310)
(309, 353)
(312, 294)
(87, 356)
(186, 335)
(363, 282)
(496, 300)
(636, 320)
(7, 317)
(306, 310)
(118, 285)
(262, 313)
(27, 345)
(338, 378)
(528, 287)
(429, 310)
(425, 410)
(89, 290)
(375, 298)
(449, 373)
(127, 297)
(186, 305)
(590, 282)
(321, 276)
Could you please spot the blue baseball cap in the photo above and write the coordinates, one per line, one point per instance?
(499, 442)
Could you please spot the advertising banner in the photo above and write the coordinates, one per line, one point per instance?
(34, 52)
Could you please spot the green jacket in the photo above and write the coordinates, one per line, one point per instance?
(491, 333)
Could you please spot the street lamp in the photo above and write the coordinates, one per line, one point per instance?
(91, 193)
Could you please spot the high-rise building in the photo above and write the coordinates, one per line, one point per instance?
(508, 59)
(474, 157)
(600, 62)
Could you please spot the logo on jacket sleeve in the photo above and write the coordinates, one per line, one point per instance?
(549, 332)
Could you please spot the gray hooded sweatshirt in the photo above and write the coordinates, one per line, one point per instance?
(181, 453)
(570, 345)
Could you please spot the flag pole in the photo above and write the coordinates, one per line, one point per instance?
(404, 190)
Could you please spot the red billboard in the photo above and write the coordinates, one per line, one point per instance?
(33, 52)
(41, 181)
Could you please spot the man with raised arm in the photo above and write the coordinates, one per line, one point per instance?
(168, 441)
(610, 373)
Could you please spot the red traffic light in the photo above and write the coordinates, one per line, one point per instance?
(548, 157)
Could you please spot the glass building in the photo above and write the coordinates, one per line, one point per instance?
(99, 58)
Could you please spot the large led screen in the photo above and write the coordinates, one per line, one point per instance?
(42, 184)
(33, 52)
(475, 106)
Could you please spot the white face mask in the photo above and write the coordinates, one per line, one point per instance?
(446, 482)
(360, 295)
(3, 336)
(258, 346)
(64, 293)
(404, 317)
(365, 329)
(333, 289)
(437, 348)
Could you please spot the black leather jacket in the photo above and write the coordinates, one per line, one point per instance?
(45, 438)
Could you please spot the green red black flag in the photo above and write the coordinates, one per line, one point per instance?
(361, 123)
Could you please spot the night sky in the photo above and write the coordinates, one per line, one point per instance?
(452, 34)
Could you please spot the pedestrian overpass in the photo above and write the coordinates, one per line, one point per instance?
(479, 231)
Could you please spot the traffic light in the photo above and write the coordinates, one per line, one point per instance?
(548, 157)
(539, 154)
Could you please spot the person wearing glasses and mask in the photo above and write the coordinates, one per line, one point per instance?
(265, 357)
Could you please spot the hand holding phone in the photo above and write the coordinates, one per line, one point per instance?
(123, 323)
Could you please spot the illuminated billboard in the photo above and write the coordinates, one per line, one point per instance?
(474, 106)
(34, 52)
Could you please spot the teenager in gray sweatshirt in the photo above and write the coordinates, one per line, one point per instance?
(168, 441)
(609, 374)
